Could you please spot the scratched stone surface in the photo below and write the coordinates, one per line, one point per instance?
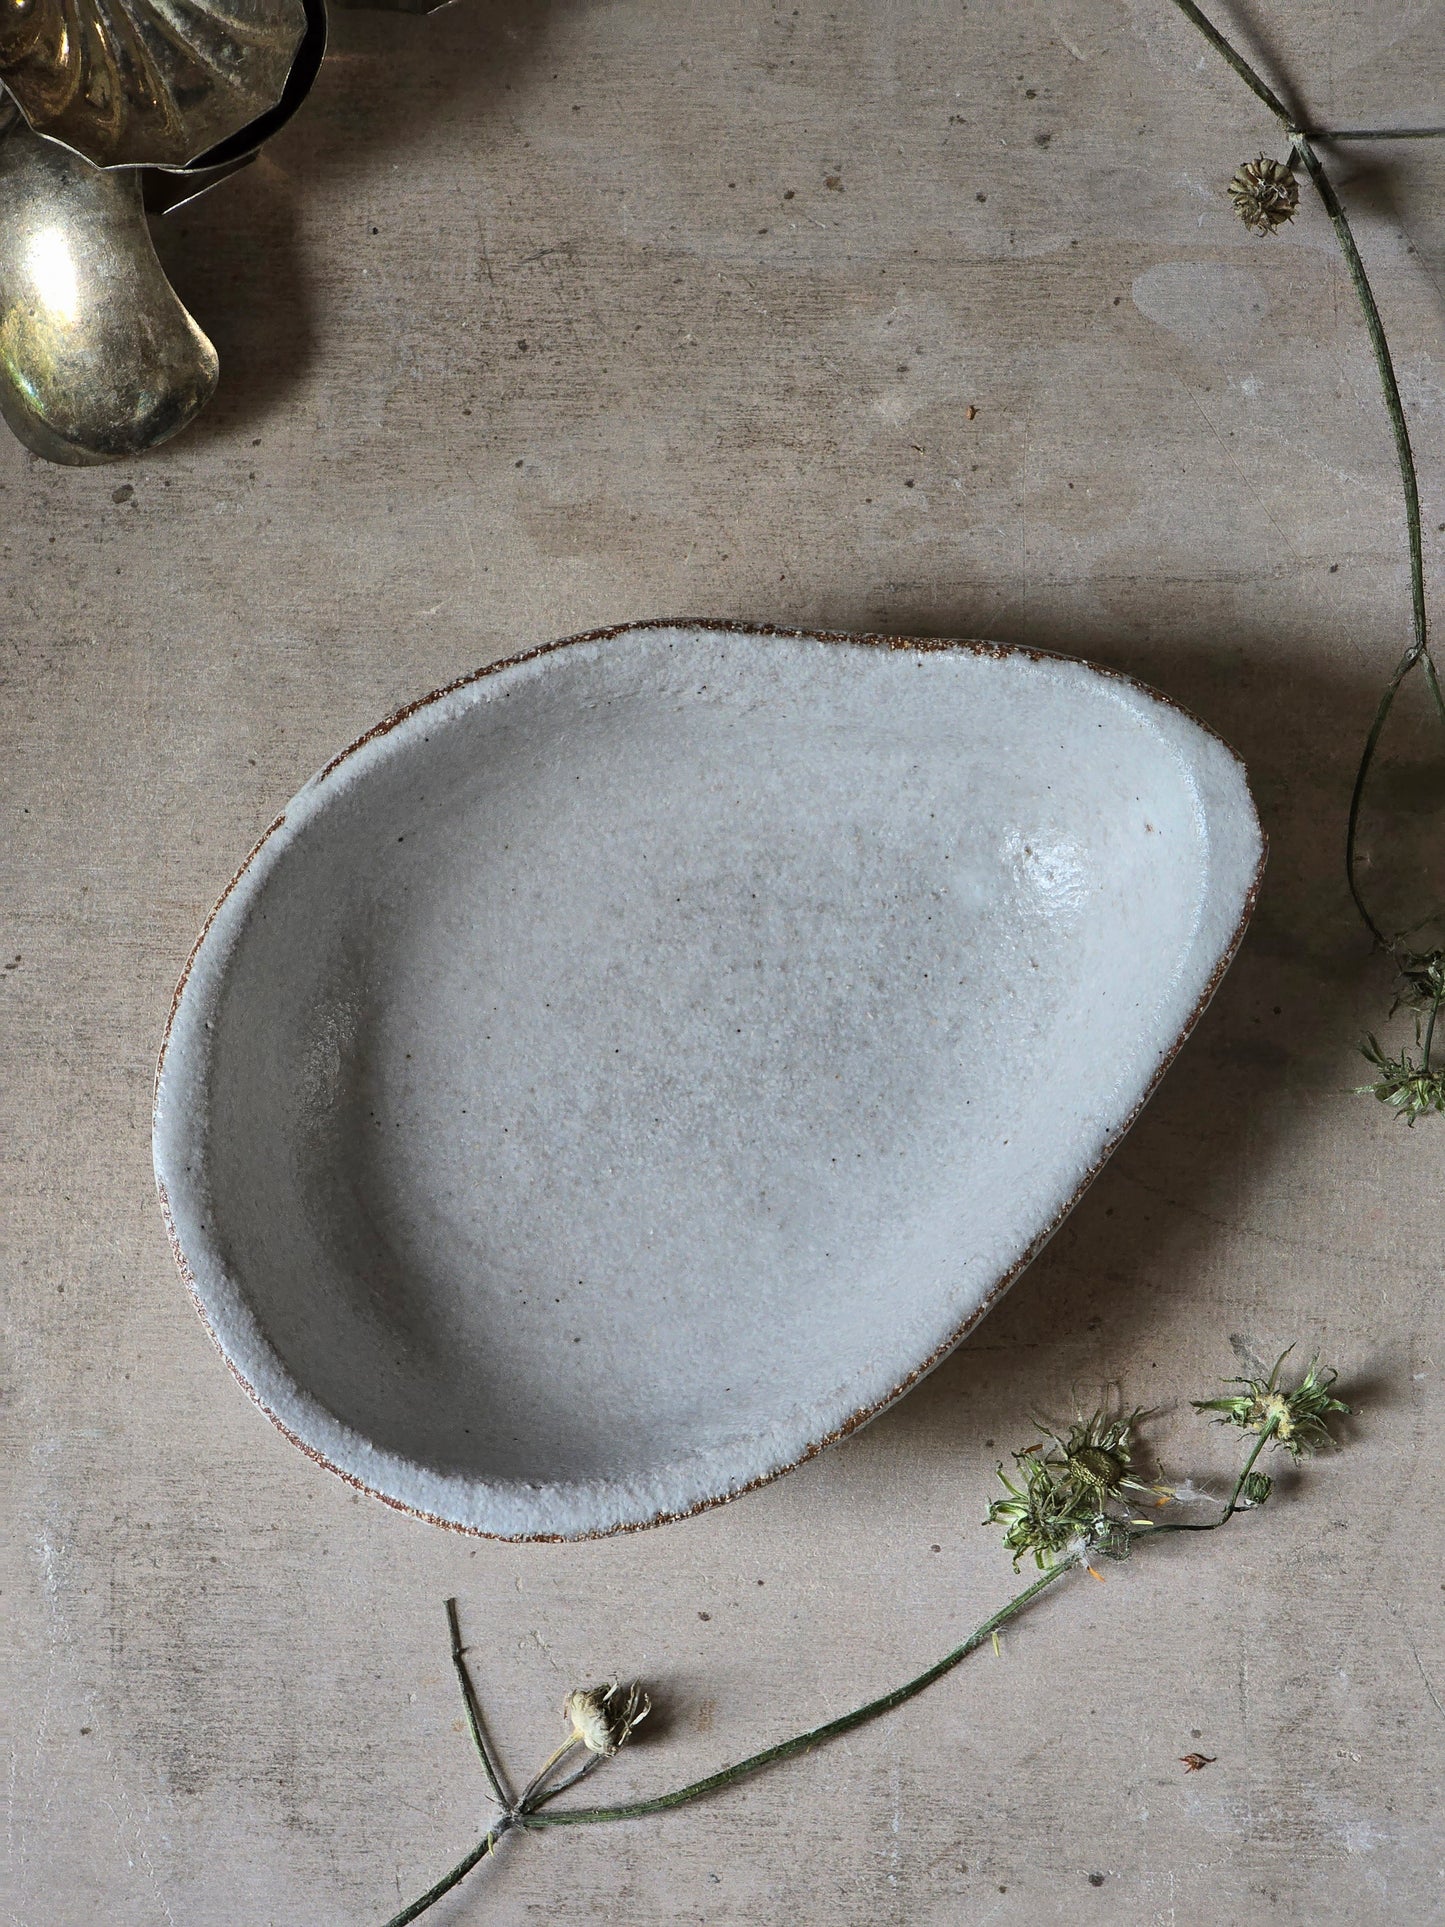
(924, 318)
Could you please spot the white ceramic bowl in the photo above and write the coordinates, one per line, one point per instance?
(626, 1071)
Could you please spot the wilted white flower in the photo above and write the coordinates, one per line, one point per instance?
(602, 1717)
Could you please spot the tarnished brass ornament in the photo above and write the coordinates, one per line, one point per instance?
(98, 358)
(111, 110)
(155, 83)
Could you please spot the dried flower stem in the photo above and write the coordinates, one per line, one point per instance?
(1232, 1506)
(1378, 133)
(1417, 653)
(457, 1874)
(474, 1712)
(1255, 82)
(817, 1735)
(528, 1812)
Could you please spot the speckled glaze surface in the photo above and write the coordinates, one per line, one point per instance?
(631, 1068)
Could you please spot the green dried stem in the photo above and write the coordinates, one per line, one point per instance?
(815, 1736)
(1074, 1502)
(1378, 133)
(474, 1712)
(1410, 1087)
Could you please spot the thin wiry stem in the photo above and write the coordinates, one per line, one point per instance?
(1377, 133)
(457, 1874)
(528, 1811)
(534, 1799)
(1213, 1525)
(1418, 650)
(474, 1712)
(816, 1736)
(1425, 1065)
(1393, 405)
(1255, 82)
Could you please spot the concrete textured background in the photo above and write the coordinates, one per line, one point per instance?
(546, 316)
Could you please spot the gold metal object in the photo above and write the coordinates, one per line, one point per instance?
(147, 82)
(98, 357)
(111, 110)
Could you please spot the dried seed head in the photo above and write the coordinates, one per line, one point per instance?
(1265, 194)
(1413, 1087)
(603, 1716)
(1294, 1419)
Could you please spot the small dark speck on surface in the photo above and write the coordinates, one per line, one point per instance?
(704, 1615)
(835, 182)
(980, 197)
(1042, 140)
(122, 494)
(1096, 1880)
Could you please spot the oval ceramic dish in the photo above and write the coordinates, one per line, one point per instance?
(626, 1071)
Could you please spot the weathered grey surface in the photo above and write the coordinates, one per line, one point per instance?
(231, 1700)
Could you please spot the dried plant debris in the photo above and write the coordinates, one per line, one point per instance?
(1072, 1497)
(1265, 194)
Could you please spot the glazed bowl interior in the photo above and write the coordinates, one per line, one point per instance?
(630, 1068)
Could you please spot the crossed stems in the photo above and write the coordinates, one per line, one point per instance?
(527, 1809)
(516, 1811)
(1417, 654)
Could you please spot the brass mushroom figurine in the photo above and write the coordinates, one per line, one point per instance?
(107, 108)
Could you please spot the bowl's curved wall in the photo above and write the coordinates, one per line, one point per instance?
(637, 1064)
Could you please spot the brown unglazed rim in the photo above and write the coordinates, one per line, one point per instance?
(911, 645)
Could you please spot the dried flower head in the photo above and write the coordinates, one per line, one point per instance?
(1098, 1458)
(602, 1717)
(1265, 194)
(1294, 1419)
(1422, 980)
(1042, 1516)
(1412, 1087)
